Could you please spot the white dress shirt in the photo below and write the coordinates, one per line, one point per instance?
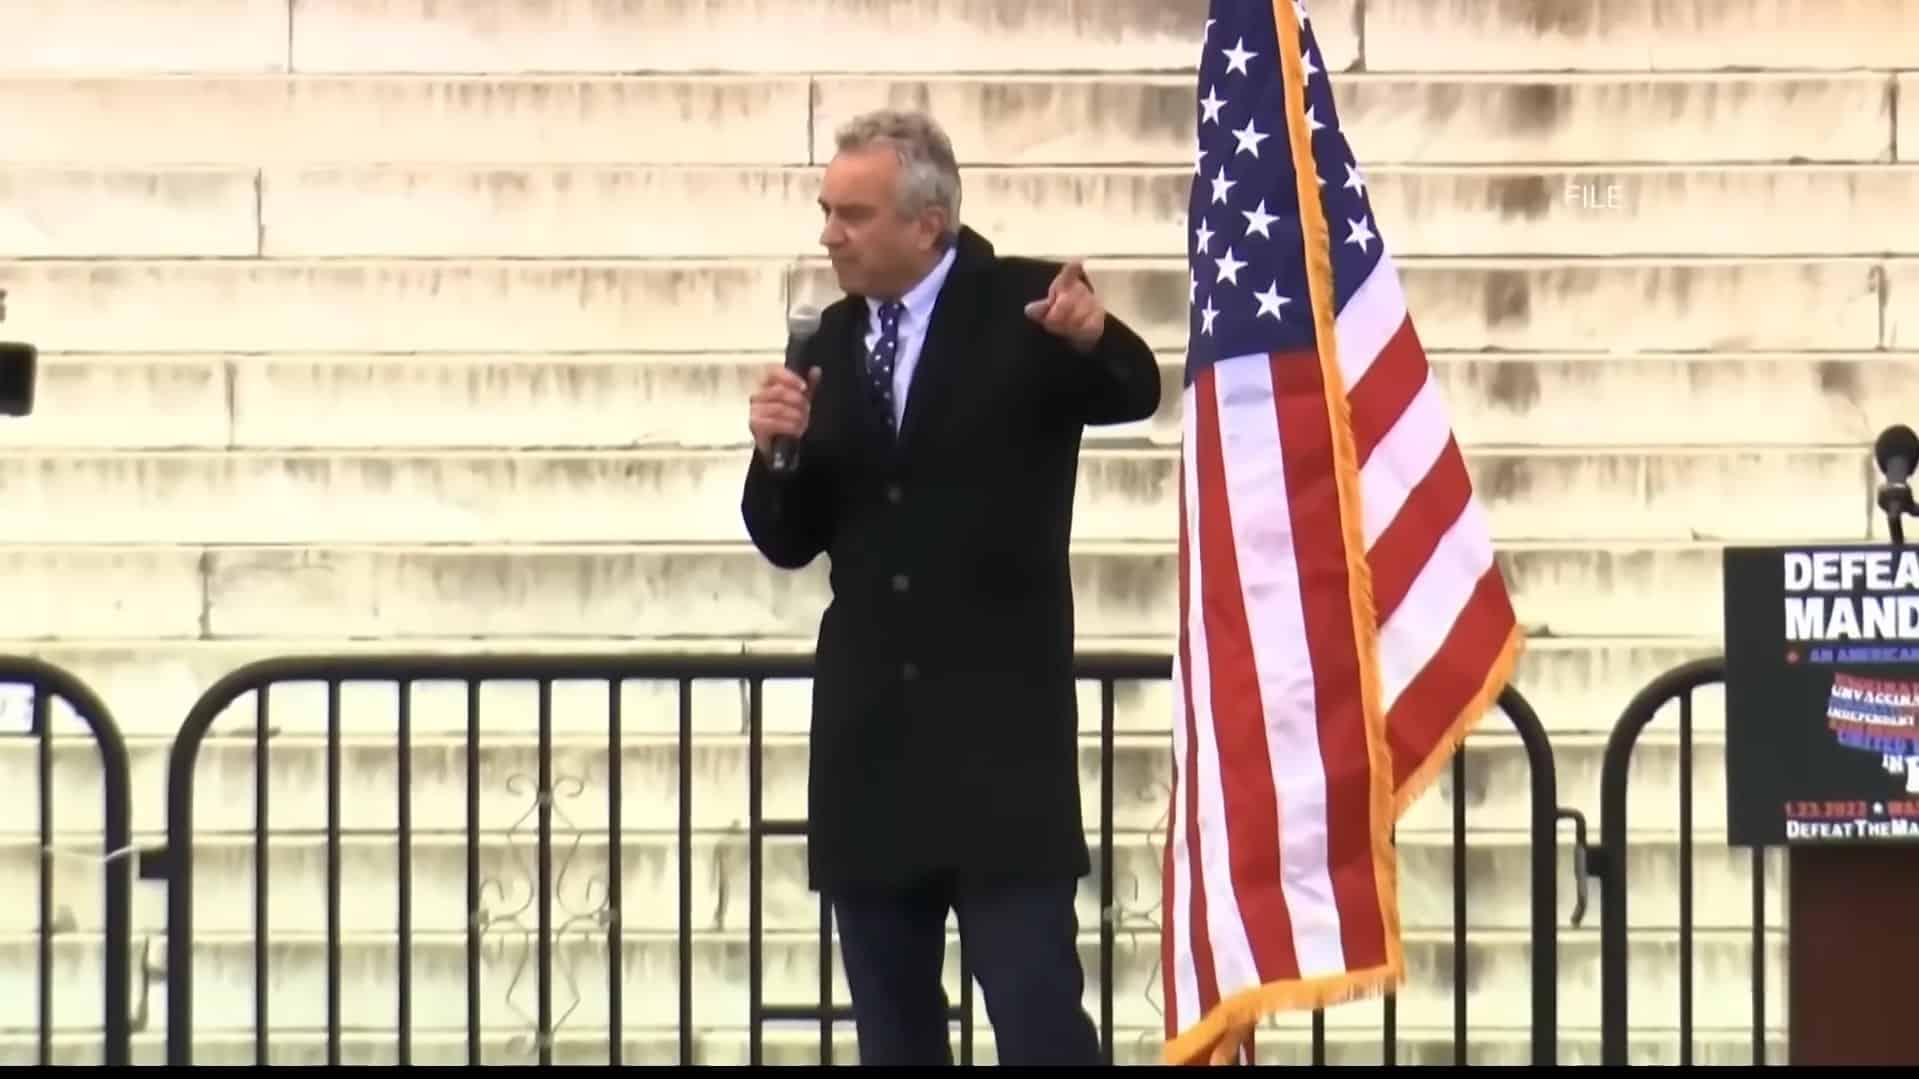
(913, 322)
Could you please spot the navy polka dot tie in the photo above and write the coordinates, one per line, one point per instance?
(886, 354)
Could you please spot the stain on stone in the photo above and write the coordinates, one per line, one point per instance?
(1137, 479)
(999, 102)
(1514, 385)
(1525, 197)
(1840, 380)
(1536, 106)
(1124, 584)
(1570, 17)
(1164, 111)
(1508, 298)
(1502, 478)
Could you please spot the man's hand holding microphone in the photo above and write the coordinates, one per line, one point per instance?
(779, 410)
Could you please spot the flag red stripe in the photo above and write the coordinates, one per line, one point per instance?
(1431, 509)
(1312, 498)
(1387, 388)
(1198, 938)
(1239, 715)
(1436, 696)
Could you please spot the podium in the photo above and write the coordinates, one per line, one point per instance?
(1822, 758)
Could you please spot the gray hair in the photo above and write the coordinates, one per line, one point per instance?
(929, 172)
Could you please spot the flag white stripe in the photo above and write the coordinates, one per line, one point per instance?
(1403, 458)
(1371, 317)
(1233, 964)
(1263, 541)
(1418, 628)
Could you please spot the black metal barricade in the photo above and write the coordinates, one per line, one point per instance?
(1610, 862)
(600, 925)
(29, 690)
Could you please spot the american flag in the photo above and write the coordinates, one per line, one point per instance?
(1343, 623)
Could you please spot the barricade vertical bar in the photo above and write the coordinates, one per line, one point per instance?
(686, 871)
(755, 911)
(1759, 955)
(1389, 1010)
(473, 1052)
(1685, 881)
(1612, 892)
(545, 859)
(615, 878)
(1390, 1048)
(333, 872)
(118, 810)
(1319, 1037)
(1459, 906)
(262, 828)
(404, 816)
(1545, 867)
(179, 872)
(1107, 690)
(43, 727)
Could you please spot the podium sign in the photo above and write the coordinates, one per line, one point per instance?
(1822, 695)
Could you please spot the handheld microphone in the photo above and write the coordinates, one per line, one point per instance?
(801, 324)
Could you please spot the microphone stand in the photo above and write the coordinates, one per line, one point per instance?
(1896, 500)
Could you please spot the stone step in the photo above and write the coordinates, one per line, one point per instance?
(81, 212)
(548, 211)
(763, 36)
(493, 119)
(479, 119)
(1614, 305)
(1498, 881)
(696, 401)
(1498, 990)
(797, 1045)
(616, 212)
(1635, 35)
(1498, 780)
(1577, 687)
(45, 37)
(1587, 497)
(1570, 118)
(714, 594)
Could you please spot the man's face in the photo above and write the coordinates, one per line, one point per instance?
(874, 249)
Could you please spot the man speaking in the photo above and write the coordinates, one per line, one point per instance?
(935, 444)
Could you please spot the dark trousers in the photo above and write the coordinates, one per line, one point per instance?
(1019, 943)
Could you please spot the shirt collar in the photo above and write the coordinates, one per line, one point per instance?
(919, 299)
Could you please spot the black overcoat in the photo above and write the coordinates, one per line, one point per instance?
(944, 722)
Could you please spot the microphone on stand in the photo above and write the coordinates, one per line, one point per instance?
(801, 324)
(1897, 451)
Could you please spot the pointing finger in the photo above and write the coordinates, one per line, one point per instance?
(1070, 276)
